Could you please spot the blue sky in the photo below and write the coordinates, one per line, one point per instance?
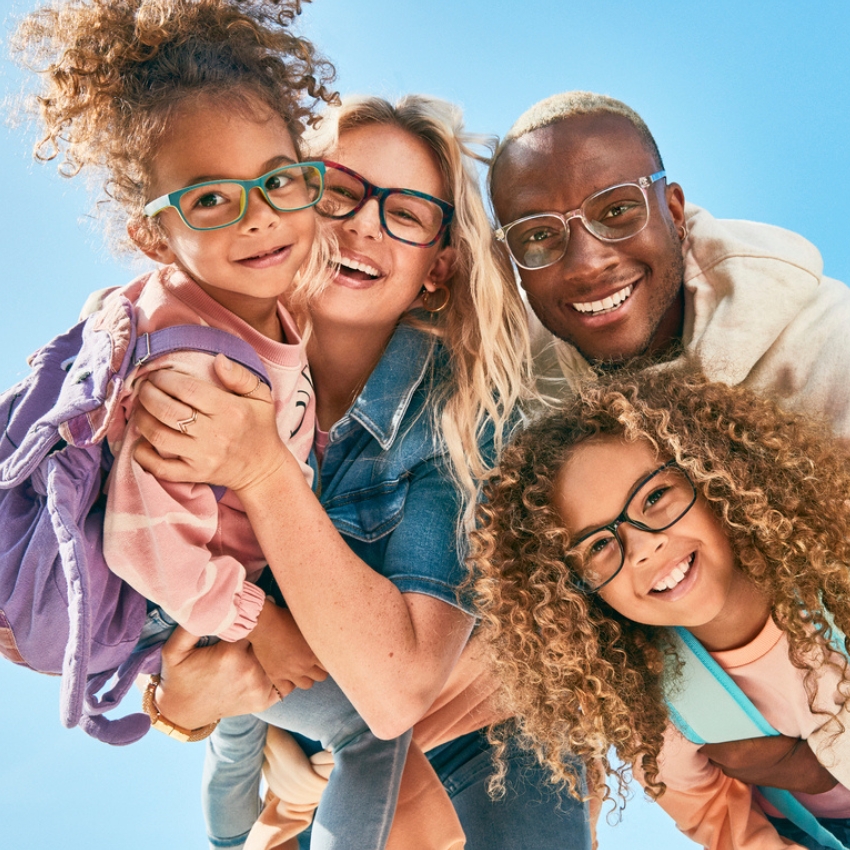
(750, 105)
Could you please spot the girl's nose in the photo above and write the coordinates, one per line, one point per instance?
(640, 545)
(260, 213)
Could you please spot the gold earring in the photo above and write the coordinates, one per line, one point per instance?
(428, 295)
(682, 230)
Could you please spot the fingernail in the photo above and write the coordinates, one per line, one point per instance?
(228, 365)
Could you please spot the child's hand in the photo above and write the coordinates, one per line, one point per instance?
(282, 651)
(777, 761)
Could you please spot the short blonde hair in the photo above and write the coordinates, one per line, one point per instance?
(565, 105)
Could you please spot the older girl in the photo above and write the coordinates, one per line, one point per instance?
(655, 500)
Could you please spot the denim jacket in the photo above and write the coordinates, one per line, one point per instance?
(385, 481)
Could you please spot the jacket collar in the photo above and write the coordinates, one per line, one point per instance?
(382, 404)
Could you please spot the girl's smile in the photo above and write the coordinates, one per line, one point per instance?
(685, 575)
(248, 265)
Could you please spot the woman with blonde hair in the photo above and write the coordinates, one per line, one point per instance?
(419, 355)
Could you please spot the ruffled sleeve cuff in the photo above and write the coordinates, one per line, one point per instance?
(249, 604)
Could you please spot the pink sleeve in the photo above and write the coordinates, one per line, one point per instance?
(170, 541)
(157, 537)
(712, 809)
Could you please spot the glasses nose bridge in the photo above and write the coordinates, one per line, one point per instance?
(247, 186)
(578, 213)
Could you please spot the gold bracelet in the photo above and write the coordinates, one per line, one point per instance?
(163, 724)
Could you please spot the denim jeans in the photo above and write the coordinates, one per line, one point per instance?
(532, 815)
(357, 807)
(839, 827)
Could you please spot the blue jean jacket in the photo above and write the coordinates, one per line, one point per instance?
(386, 485)
(385, 481)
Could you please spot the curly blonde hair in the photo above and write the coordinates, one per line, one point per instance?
(484, 328)
(582, 678)
(113, 75)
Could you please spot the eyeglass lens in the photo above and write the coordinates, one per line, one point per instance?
(612, 214)
(406, 217)
(212, 205)
(659, 502)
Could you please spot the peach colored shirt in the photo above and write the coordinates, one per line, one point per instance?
(725, 813)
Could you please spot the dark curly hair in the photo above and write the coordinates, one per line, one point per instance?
(580, 677)
(114, 73)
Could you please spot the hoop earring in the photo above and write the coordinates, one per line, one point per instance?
(427, 296)
(682, 230)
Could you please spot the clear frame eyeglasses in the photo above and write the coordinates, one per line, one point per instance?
(616, 213)
(220, 203)
(657, 502)
(406, 215)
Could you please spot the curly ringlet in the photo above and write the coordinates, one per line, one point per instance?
(114, 74)
(580, 677)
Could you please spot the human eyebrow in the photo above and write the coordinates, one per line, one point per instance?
(639, 481)
(268, 165)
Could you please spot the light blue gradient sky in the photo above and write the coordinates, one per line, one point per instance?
(750, 106)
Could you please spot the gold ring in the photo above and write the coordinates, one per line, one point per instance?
(253, 389)
(184, 424)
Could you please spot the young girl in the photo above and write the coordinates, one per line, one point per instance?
(190, 106)
(656, 499)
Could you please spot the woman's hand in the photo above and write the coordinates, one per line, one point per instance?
(214, 448)
(200, 685)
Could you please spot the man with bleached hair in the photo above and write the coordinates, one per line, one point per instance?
(616, 264)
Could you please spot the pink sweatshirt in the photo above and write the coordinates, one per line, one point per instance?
(722, 813)
(174, 543)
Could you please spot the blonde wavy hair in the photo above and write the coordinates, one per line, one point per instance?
(484, 329)
(114, 74)
(580, 677)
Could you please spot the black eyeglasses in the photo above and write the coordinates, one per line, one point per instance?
(657, 502)
(408, 216)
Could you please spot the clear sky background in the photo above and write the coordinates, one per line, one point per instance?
(750, 105)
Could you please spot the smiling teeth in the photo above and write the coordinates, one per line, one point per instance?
(605, 304)
(357, 266)
(676, 575)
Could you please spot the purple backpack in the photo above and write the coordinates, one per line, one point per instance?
(61, 609)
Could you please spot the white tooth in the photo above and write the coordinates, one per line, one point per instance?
(606, 304)
(677, 574)
(356, 264)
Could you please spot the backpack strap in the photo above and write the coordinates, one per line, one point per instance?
(708, 707)
(198, 338)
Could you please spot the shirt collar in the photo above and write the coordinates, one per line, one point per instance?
(381, 406)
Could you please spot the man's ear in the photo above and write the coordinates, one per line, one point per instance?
(441, 269)
(675, 198)
(150, 242)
